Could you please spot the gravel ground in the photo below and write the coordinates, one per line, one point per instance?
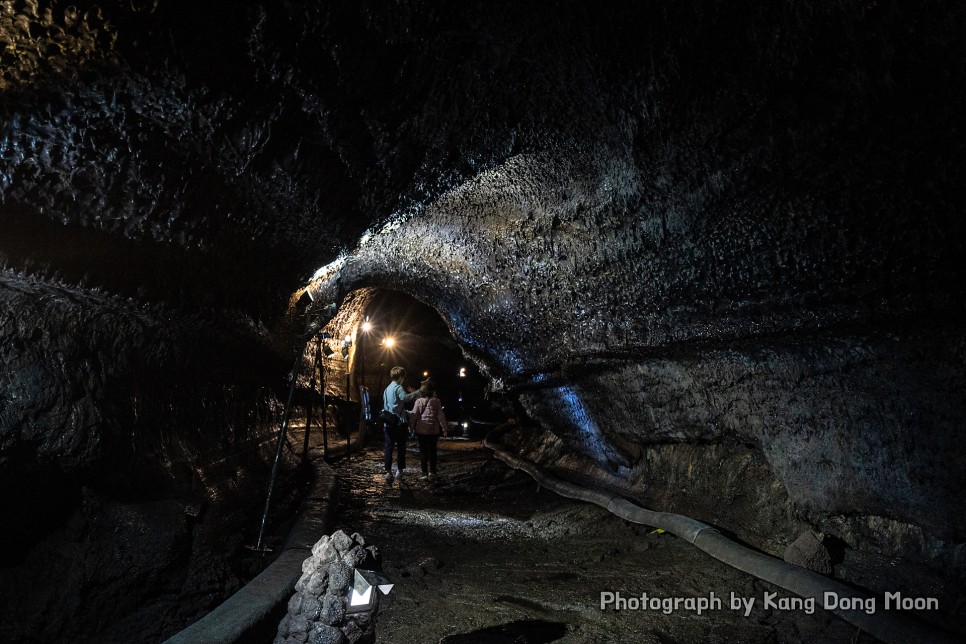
(482, 556)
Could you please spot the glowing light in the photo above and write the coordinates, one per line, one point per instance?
(367, 326)
(466, 425)
(462, 372)
(360, 599)
(425, 374)
(362, 593)
(390, 342)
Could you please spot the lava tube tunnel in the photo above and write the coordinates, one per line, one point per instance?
(456, 322)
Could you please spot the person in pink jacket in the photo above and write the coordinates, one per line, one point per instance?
(427, 420)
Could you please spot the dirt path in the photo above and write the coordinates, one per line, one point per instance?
(481, 556)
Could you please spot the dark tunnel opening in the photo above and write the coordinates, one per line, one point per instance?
(424, 346)
(377, 329)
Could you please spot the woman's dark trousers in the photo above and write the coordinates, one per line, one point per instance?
(427, 452)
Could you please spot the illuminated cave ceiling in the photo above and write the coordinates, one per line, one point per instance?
(653, 225)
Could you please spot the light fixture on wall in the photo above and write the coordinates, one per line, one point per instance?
(305, 300)
(346, 344)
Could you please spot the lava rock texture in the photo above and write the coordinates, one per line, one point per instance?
(713, 252)
(317, 611)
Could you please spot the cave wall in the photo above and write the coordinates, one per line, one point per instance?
(133, 441)
(126, 385)
(157, 205)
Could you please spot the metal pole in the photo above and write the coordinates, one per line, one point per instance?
(348, 425)
(281, 441)
(363, 394)
(308, 411)
(325, 413)
(363, 413)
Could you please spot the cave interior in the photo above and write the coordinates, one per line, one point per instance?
(710, 255)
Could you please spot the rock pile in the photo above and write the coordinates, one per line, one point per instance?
(317, 611)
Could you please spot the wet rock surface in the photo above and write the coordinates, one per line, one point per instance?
(482, 556)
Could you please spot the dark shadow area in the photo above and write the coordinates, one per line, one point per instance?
(524, 631)
(27, 489)
(266, 629)
(190, 278)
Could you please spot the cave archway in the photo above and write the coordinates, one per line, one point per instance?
(376, 329)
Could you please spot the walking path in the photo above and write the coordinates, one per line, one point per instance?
(482, 556)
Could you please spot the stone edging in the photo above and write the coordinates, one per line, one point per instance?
(272, 588)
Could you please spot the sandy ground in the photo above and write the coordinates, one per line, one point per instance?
(483, 556)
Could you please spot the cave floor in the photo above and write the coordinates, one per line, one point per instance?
(482, 556)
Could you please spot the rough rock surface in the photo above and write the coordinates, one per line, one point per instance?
(317, 610)
(688, 239)
(808, 551)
